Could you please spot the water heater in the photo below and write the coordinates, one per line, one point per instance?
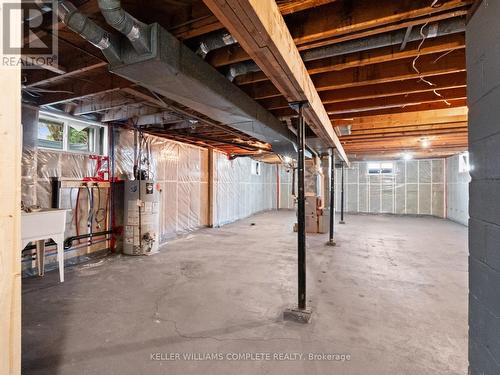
(142, 217)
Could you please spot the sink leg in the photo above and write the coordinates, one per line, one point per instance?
(40, 257)
(60, 257)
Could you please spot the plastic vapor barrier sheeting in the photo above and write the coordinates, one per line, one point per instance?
(287, 200)
(414, 187)
(182, 172)
(457, 183)
(38, 166)
(242, 187)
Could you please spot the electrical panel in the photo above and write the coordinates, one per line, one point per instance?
(142, 217)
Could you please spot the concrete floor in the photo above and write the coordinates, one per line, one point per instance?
(392, 295)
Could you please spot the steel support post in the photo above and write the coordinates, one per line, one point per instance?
(331, 241)
(301, 313)
(342, 196)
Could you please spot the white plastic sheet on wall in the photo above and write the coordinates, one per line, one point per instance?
(286, 189)
(182, 172)
(457, 185)
(415, 187)
(238, 192)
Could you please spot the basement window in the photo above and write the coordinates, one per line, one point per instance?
(58, 133)
(51, 134)
(380, 168)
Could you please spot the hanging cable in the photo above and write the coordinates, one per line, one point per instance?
(434, 4)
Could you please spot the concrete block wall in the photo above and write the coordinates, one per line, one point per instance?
(457, 191)
(483, 72)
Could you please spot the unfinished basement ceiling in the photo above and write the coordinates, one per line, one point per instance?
(408, 95)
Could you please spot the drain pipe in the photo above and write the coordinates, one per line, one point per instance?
(137, 32)
(449, 27)
(89, 30)
(215, 41)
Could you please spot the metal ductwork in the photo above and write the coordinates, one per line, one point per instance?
(344, 130)
(215, 41)
(176, 72)
(451, 26)
(89, 30)
(135, 31)
(236, 70)
(171, 69)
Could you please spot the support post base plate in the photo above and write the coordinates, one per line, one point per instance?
(294, 314)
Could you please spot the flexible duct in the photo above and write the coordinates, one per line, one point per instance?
(135, 31)
(452, 26)
(215, 41)
(240, 69)
(89, 30)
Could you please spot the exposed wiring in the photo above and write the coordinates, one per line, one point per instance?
(414, 63)
(434, 4)
(443, 55)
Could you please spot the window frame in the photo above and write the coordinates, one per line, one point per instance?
(67, 122)
(380, 168)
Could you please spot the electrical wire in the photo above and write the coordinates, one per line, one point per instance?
(434, 4)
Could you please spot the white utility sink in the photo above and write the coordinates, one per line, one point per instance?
(42, 225)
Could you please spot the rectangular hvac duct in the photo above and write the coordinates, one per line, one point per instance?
(174, 71)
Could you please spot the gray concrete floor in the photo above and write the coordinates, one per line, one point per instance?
(392, 295)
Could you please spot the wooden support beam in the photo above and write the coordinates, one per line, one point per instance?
(261, 30)
(370, 57)
(10, 214)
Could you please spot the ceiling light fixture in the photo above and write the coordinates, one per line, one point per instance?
(407, 156)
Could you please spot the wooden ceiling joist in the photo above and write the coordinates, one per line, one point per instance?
(260, 29)
(337, 22)
(412, 86)
(370, 57)
(456, 103)
(207, 23)
(387, 72)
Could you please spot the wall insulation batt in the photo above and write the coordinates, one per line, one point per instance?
(415, 187)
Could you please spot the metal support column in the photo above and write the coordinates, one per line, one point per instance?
(301, 212)
(331, 241)
(300, 313)
(342, 196)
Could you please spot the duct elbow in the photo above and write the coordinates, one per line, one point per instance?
(88, 29)
(236, 70)
(135, 31)
(215, 41)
